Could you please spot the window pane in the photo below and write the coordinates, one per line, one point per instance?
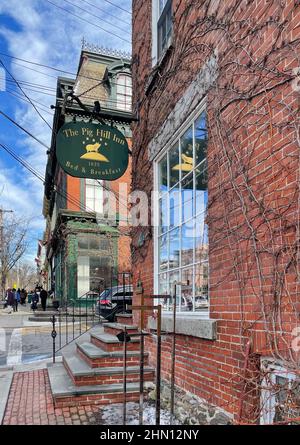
(83, 241)
(174, 197)
(163, 214)
(201, 286)
(89, 191)
(175, 276)
(163, 175)
(163, 252)
(163, 289)
(187, 161)
(94, 243)
(162, 4)
(104, 244)
(187, 243)
(187, 193)
(201, 138)
(201, 189)
(187, 292)
(174, 248)
(174, 165)
(201, 238)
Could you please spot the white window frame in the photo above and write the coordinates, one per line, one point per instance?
(125, 105)
(155, 205)
(97, 187)
(155, 20)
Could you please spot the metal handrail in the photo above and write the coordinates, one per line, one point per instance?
(72, 312)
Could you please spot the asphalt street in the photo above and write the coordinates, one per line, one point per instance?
(22, 341)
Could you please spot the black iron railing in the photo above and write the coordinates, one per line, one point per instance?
(76, 317)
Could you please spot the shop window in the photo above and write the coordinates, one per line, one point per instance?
(182, 234)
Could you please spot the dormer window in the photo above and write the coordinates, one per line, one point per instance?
(124, 92)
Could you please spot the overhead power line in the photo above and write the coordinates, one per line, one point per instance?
(24, 129)
(39, 176)
(27, 97)
(96, 16)
(117, 6)
(73, 200)
(13, 93)
(50, 68)
(87, 21)
(105, 12)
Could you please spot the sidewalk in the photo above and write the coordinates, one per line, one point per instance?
(30, 403)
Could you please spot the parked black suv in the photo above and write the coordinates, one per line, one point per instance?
(114, 300)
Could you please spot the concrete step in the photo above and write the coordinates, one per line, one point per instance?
(82, 374)
(109, 342)
(40, 319)
(116, 328)
(66, 394)
(124, 319)
(96, 357)
(45, 313)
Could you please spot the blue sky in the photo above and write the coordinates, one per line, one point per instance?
(37, 31)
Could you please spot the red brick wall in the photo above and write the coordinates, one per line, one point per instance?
(118, 188)
(73, 193)
(253, 180)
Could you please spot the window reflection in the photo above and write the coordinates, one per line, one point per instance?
(187, 291)
(187, 191)
(200, 138)
(163, 214)
(163, 175)
(187, 161)
(163, 252)
(174, 244)
(174, 165)
(183, 240)
(187, 243)
(174, 207)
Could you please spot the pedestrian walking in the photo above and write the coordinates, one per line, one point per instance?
(23, 297)
(34, 301)
(16, 299)
(10, 299)
(44, 296)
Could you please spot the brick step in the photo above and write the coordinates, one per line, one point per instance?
(109, 342)
(96, 357)
(124, 319)
(116, 328)
(66, 394)
(82, 374)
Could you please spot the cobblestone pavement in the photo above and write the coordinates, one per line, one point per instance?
(30, 403)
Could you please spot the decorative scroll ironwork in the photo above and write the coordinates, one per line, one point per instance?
(85, 46)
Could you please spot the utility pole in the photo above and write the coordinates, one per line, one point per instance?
(3, 278)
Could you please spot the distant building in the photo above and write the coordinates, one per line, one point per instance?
(86, 220)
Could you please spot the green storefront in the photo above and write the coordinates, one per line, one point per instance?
(85, 256)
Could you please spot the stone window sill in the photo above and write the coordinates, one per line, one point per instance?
(193, 326)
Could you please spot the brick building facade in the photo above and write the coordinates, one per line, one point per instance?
(216, 92)
(87, 237)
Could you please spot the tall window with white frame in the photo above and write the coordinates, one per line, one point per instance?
(182, 234)
(124, 92)
(164, 25)
(93, 195)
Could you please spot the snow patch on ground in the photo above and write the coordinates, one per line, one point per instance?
(113, 415)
